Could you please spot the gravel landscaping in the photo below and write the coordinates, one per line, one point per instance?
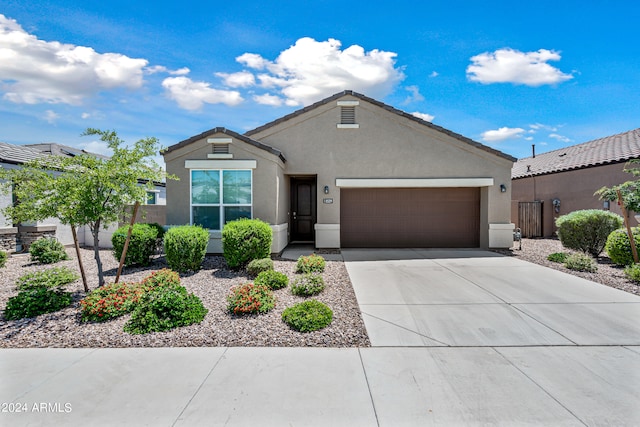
(211, 284)
(537, 250)
(219, 328)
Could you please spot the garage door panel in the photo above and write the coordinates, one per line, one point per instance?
(410, 217)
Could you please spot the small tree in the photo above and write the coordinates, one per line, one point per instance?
(85, 189)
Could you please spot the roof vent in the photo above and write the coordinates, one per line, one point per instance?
(348, 114)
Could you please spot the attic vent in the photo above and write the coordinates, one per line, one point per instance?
(348, 114)
(220, 148)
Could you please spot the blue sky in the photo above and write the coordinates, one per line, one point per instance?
(507, 74)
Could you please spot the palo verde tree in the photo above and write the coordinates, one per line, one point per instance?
(85, 189)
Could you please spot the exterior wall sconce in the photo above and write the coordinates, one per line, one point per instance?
(503, 188)
(606, 205)
(556, 205)
(326, 189)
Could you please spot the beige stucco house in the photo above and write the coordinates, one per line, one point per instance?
(347, 171)
(548, 185)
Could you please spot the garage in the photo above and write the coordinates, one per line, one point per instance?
(410, 217)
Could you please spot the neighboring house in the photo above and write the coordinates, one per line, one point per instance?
(551, 184)
(348, 171)
(14, 156)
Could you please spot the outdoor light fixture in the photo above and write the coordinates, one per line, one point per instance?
(606, 205)
(503, 188)
(326, 189)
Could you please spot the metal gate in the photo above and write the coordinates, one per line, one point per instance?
(530, 218)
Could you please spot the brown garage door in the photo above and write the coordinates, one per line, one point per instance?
(410, 217)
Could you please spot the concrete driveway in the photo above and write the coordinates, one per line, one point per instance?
(483, 339)
(460, 338)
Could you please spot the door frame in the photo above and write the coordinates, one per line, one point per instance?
(293, 181)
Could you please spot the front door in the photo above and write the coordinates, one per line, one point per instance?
(303, 209)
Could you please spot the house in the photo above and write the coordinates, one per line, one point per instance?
(347, 171)
(548, 185)
(14, 156)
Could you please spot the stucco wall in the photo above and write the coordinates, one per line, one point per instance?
(268, 180)
(574, 189)
(386, 145)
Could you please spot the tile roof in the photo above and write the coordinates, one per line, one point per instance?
(18, 154)
(388, 108)
(610, 149)
(232, 134)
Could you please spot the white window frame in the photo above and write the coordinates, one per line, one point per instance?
(221, 205)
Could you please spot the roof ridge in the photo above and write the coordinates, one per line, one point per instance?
(637, 131)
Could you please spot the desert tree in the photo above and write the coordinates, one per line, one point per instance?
(85, 189)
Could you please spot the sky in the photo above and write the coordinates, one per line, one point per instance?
(507, 74)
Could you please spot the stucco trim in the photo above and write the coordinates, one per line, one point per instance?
(413, 182)
(220, 164)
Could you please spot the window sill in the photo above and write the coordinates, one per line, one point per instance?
(348, 126)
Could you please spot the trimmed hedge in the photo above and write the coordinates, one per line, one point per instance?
(244, 240)
(587, 230)
(142, 244)
(308, 316)
(185, 247)
(258, 266)
(618, 246)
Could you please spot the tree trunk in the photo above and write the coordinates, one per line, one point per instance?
(95, 231)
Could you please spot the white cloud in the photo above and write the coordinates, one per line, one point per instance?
(162, 69)
(267, 99)
(424, 116)
(50, 116)
(192, 95)
(310, 70)
(415, 96)
(434, 74)
(85, 115)
(512, 66)
(97, 147)
(560, 138)
(538, 126)
(37, 71)
(502, 134)
(241, 79)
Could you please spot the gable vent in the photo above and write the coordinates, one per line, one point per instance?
(220, 148)
(348, 115)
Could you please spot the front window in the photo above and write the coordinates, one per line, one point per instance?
(220, 196)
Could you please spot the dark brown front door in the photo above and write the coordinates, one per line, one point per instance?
(303, 209)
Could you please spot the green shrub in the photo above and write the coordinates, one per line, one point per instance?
(560, 257)
(142, 244)
(160, 236)
(618, 246)
(581, 262)
(47, 250)
(50, 278)
(272, 279)
(165, 308)
(308, 316)
(250, 298)
(185, 247)
(587, 230)
(257, 266)
(36, 301)
(632, 272)
(310, 264)
(3, 258)
(160, 278)
(244, 240)
(110, 301)
(116, 299)
(307, 284)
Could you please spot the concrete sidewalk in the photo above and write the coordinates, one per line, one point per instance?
(460, 338)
